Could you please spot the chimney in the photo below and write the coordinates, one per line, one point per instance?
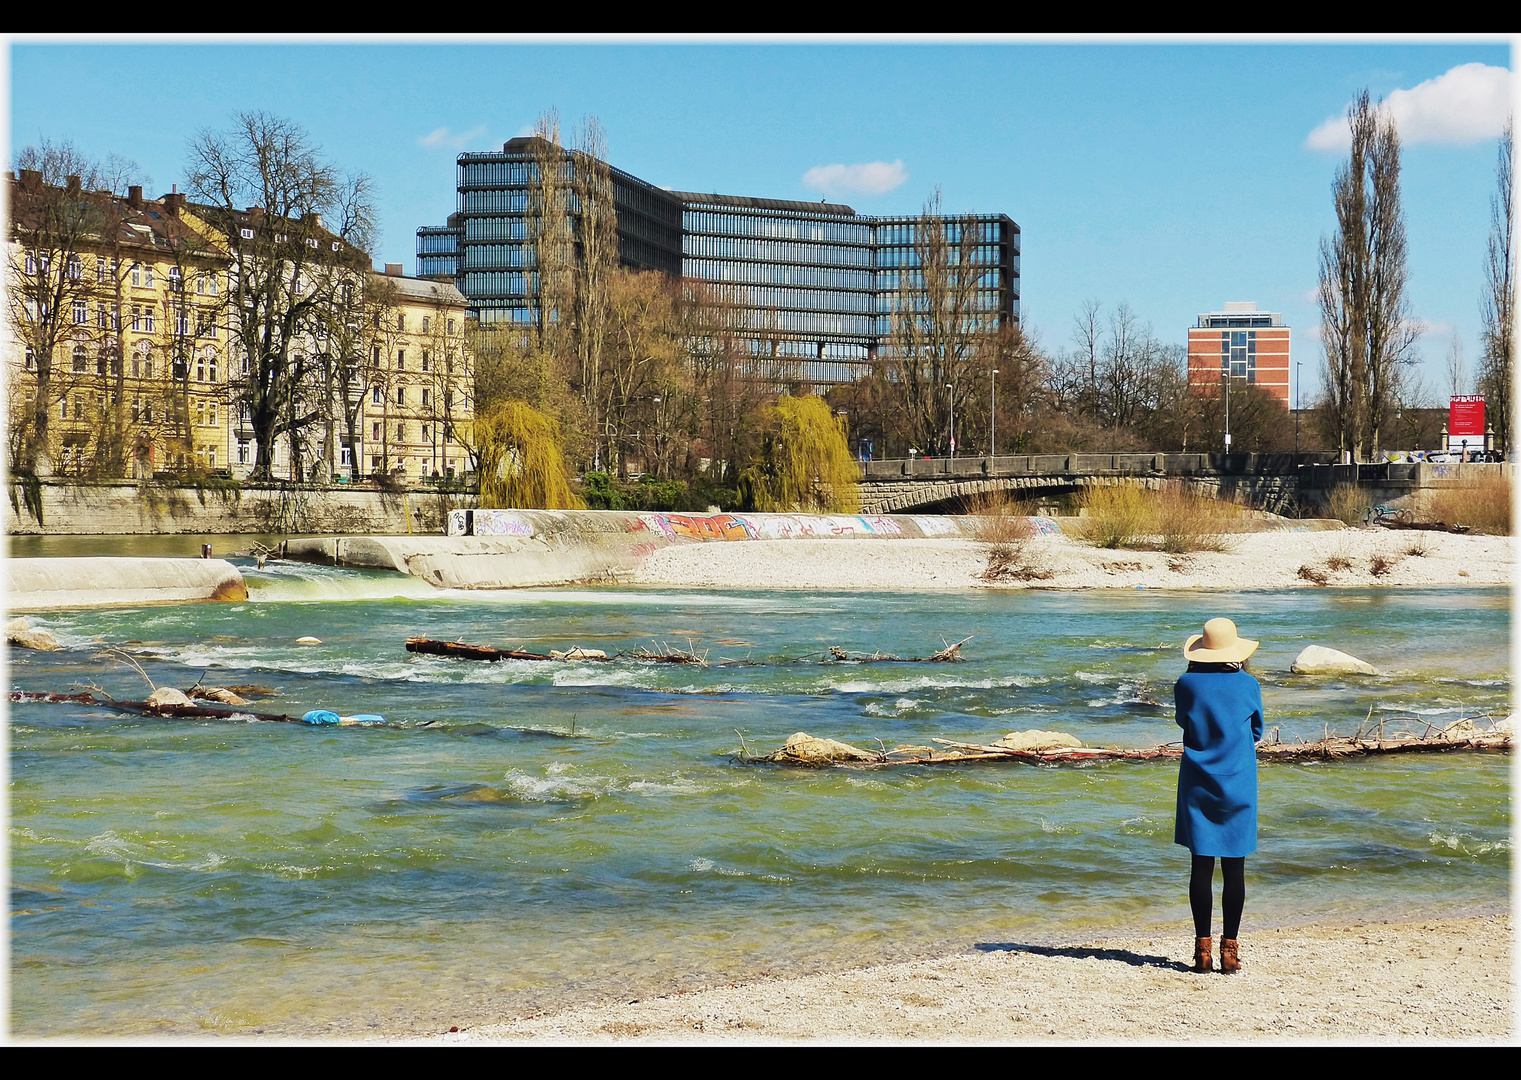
(394, 270)
(31, 181)
(135, 197)
(71, 185)
(313, 219)
(174, 202)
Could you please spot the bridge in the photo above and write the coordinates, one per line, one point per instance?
(1277, 482)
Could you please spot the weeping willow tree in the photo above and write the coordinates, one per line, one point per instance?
(805, 463)
(521, 463)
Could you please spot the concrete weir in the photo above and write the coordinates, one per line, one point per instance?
(512, 549)
(43, 584)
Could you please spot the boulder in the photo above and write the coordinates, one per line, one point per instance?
(804, 749)
(1319, 660)
(1038, 740)
(20, 634)
(168, 695)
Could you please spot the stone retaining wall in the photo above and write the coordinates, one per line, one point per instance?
(130, 507)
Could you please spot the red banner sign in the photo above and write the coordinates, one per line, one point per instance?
(1465, 418)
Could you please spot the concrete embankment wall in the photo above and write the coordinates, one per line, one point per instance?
(42, 584)
(504, 549)
(74, 509)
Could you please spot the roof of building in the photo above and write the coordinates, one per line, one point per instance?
(428, 290)
(747, 203)
(128, 221)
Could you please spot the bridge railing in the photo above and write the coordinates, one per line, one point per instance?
(1016, 465)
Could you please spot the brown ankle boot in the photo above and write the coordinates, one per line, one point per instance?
(1203, 959)
(1230, 960)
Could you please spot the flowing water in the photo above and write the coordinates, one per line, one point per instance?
(520, 836)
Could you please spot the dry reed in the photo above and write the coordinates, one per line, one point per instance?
(1173, 520)
(1482, 503)
(1348, 503)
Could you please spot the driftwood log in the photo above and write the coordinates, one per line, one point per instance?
(951, 654)
(148, 708)
(1465, 735)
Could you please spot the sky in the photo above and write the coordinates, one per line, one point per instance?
(1169, 176)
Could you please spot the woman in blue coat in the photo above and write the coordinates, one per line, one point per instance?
(1220, 711)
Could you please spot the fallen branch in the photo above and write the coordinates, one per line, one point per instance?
(461, 651)
(951, 654)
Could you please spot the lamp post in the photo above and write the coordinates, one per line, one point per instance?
(1228, 377)
(952, 389)
(993, 422)
(1297, 378)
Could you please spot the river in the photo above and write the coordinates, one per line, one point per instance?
(521, 836)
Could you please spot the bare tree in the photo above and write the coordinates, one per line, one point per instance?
(1366, 329)
(597, 233)
(62, 212)
(938, 326)
(297, 232)
(1497, 365)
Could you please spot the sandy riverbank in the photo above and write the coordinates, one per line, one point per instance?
(1433, 980)
(1266, 560)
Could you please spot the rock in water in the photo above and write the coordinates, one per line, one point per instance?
(168, 695)
(20, 634)
(804, 749)
(1038, 740)
(1319, 660)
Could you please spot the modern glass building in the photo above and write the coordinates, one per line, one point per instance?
(816, 285)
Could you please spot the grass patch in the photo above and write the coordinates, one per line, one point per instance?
(1003, 524)
(1348, 503)
(1172, 520)
(1314, 575)
(1481, 502)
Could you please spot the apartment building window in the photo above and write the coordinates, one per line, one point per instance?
(345, 456)
(375, 432)
(375, 361)
(425, 360)
(137, 275)
(200, 370)
(375, 398)
(425, 433)
(31, 358)
(242, 452)
(425, 396)
(200, 414)
(182, 322)
(246, 234)
(401, 322)
(102, 317)
(401, 433)
(401, 359)
(176, 279)
(148, 411)
(81, 362)
(401, 395)
(81, 313)
(136, 317)
(211, 451)
(137, 409)
(74, 267)
(211, 367)
(137, 367)
(451, 326)
(211, 414)
(100, 364)
(426, 320)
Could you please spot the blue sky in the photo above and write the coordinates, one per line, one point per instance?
(1171, 177)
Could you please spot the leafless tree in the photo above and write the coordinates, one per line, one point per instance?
(1497, 365)
(62, 210)
(297, 232)
(939, 326)
(1366, 328)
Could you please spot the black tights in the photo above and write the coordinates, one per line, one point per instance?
(1233, 898)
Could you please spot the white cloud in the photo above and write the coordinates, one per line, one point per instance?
(1465, 105)
(452, 140)
(869, 177)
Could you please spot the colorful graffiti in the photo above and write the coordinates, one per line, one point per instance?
(488, 523)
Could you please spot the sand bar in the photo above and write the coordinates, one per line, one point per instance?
(1434, 980)
(1265, 560)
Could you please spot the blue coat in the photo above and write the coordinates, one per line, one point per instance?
(1221, 717)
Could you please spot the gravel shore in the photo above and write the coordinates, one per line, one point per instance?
(1265, 560)
(1435, 980)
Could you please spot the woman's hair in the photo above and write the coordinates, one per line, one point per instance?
(1210, 666)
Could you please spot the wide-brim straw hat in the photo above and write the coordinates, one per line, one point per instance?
(1219, 644)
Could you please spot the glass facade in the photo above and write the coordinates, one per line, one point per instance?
(814, 284)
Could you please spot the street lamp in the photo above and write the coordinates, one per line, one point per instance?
(952, 389)
(993, 422)
(1297, 379)
(1228, 376)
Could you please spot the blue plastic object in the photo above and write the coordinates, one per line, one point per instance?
(320, 716)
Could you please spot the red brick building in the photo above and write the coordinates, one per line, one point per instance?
(1251, 345)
